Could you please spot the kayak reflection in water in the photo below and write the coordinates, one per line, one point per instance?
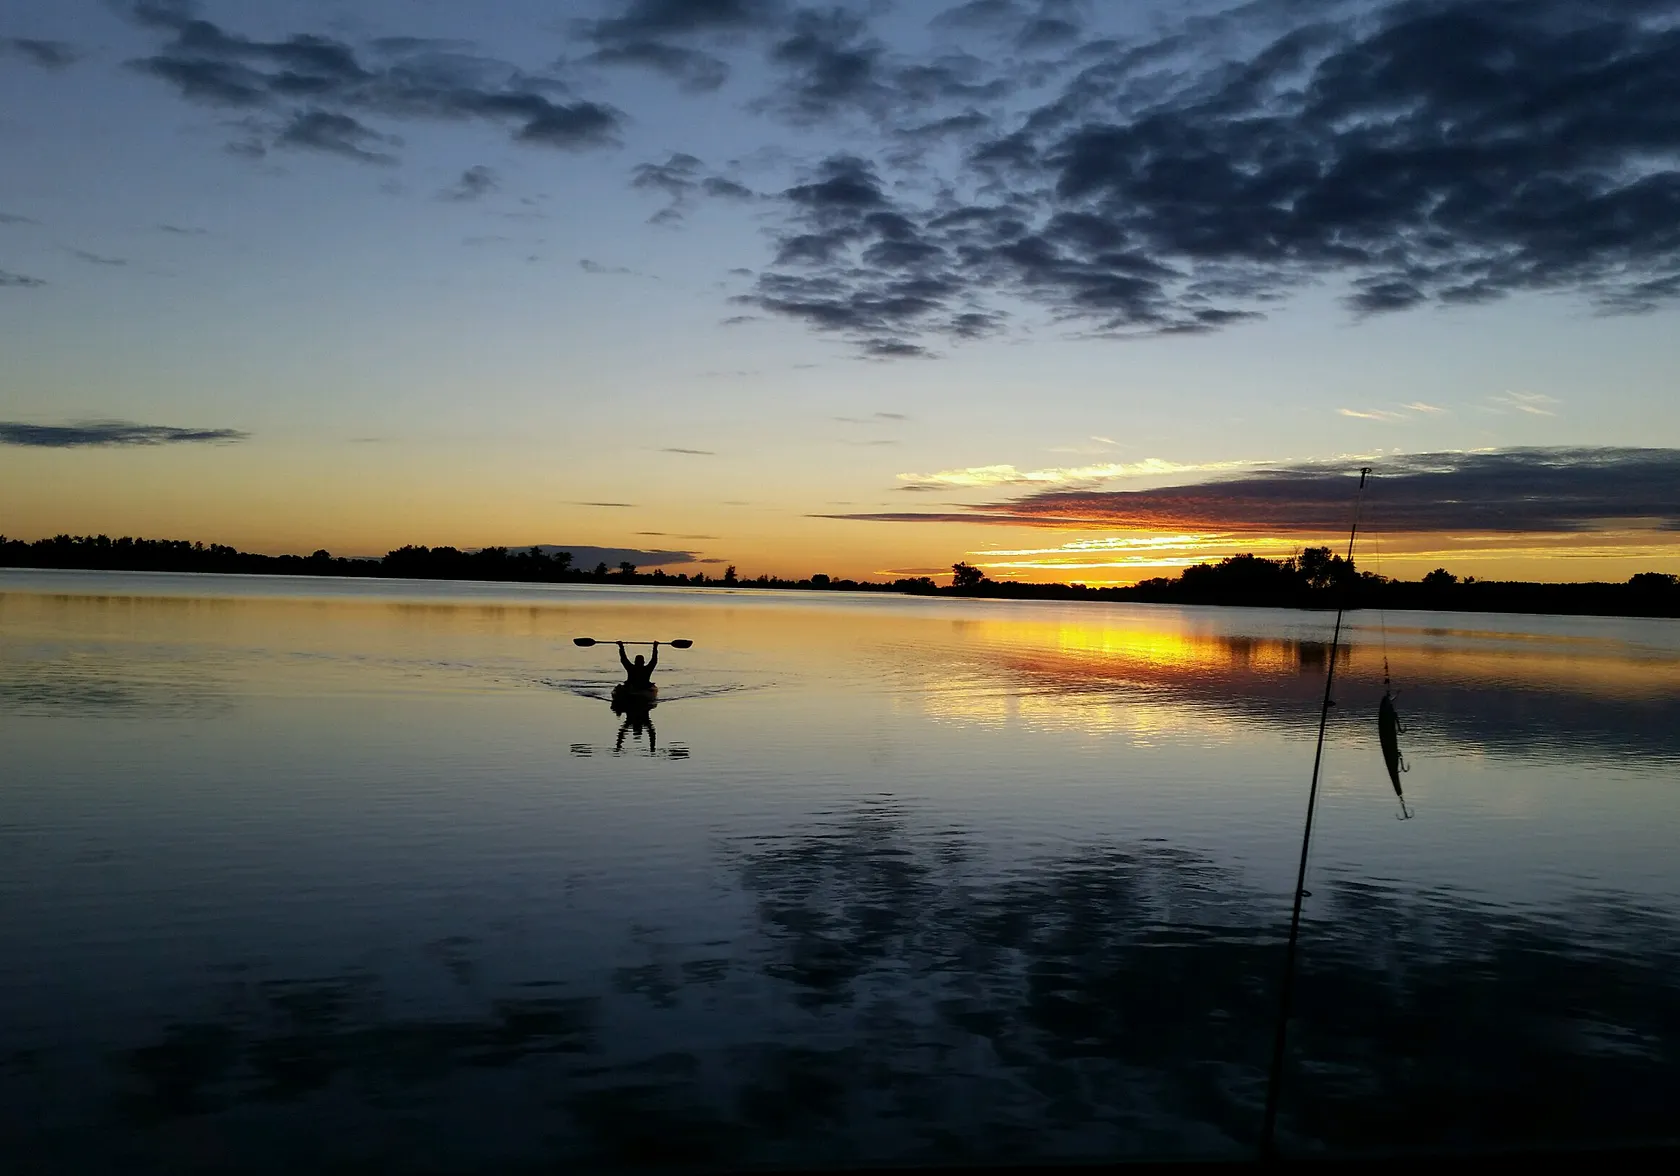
(636, 720)
(636, 696)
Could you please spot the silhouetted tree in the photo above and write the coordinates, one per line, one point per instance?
(626, 569)
(1322, 568)
(819, 580)
(965, 577)
(729, 574)
(917, 585)
(1440, 578)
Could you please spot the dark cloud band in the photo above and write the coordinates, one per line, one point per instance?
(1516, 491)
(108, 433)
(319, 86)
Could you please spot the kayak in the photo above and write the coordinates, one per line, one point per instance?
(628, 697)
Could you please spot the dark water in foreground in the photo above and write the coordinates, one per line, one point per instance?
(307, 876)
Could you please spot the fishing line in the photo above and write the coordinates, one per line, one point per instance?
(1286, 989)
(1385, 711)
(1382, 608)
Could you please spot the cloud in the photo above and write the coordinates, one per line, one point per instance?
(108, 433)
(321, 86)
(828, 62)
(679, 178)
(675, 177)
(97, 259)
(853, 263)
(1420, 406)
(694, 452)
(651, 34)
(625, 505)
(335, 134)
(12, 218)
(681, 18)
(830, 66)
(1414, 152)
(971, 477)
(1532, 403)
(726, 189)
(53, 55)
(1513, 491)
(474, 182)
(1373, 414)
(595, 267)
(180, 231)
(19, 281)
(695, 71)
(873, 418)
(982, 15)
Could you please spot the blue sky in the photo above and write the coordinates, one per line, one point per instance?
(448, 273)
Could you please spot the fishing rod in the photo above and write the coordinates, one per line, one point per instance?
(1286, 992)
(586, 642)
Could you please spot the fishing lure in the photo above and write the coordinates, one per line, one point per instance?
(1389, 731)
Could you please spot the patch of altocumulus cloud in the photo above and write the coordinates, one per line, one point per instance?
(19, 281)
(336, 134)
(1027, 25)
(46, 54)
(474, 183)
(680, 180)
(85, 434)
(1512, 491)
(1415, 152)
(679, 38)
(312, 90)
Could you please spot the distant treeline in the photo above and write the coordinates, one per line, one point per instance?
(1316, 578)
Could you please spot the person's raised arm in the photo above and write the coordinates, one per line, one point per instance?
(622, 660)
(653, 662)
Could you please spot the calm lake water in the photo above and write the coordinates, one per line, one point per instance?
(299, 874)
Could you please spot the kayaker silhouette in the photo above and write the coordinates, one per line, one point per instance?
(638, 675)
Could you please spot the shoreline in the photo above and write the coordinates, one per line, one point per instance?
(1496, 596)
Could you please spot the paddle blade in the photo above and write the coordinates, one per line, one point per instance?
(682, 643)
(586, 642)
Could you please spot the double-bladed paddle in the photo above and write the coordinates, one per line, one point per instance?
(586, 642)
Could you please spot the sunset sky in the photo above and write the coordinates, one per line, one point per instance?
(1071, 290)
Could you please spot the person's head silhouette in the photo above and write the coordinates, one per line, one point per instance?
(640, 659)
